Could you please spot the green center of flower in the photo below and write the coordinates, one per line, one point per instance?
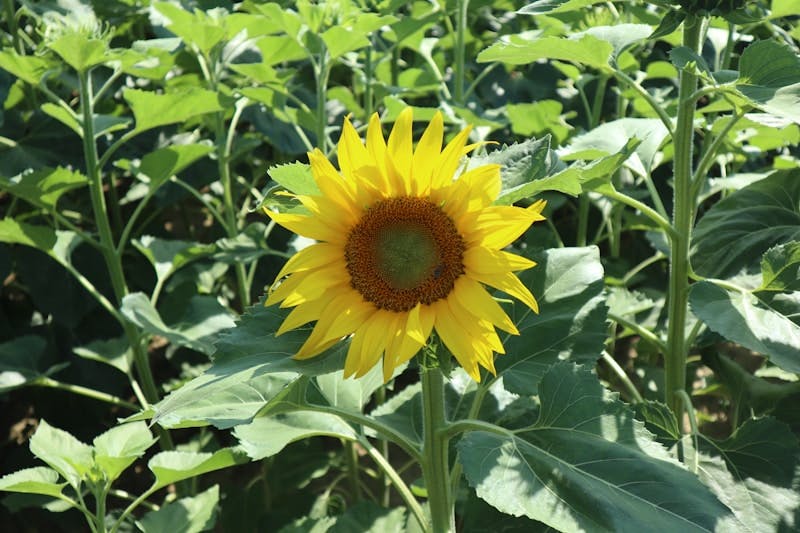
(406, 254)
(404, 251)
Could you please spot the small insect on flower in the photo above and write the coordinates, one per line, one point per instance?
(404, 246)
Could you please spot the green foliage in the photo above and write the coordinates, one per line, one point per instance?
(141, 141)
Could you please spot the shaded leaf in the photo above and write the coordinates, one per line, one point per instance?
(571, 324)
(732, 235)
(746, 320)
(186, 515)
(251, 368)
(586, 464)
(780, 268)
(770, 78)
(204, 317)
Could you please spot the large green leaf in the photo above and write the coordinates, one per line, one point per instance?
(745, 319)
(35, 480)
(18, 361)
(586, 465)
(64, 453)
(251, 367)
(520, 50)
(160, 165)
(152, 109)
(43, 187)
(186, 515)
(29, 68)
(81, 51)
(613, 136)
(204, 317)
(116, 449)
(571, 324)
(732, 236)
(770, 78)
(754, 471)
(167, 256)
(268, 435)
(173, 466)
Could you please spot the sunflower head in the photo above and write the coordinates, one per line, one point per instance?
(406, 244)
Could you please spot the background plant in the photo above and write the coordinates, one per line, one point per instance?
(135, 138)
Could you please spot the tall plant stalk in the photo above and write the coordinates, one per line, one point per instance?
(435, 452)
(683, 211)
(113, 260)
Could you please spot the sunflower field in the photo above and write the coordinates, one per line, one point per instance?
(399, 266)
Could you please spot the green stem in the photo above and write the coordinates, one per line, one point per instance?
(351, 458)
(645, 209)
(100, 507)
(368, 73)
(657, 107)
(112, 259)
(435, 452)
(84, 391)
(683, 209)
(321, 72)
(639, 330)
(711, 153)
(13, 29)
(462, 8)
(396, 480)
(583, 219)
(633, 392)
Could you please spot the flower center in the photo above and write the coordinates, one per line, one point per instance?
(402, 252)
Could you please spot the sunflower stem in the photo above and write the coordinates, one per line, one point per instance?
(675, 356)
(435, 459)
(462, 8)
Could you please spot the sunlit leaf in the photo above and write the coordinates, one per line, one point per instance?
(780, 268)
(519, 50)
(152, 109)
(266, 436)
(36, 480)
(173, 466)
(64, 453)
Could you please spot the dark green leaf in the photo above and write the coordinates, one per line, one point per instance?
(251, 367)
(732, 236)
(586, 465)
(571, 324)
(18, 361)
(746, 320)
(541, 7)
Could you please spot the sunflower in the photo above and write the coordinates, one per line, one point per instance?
(404, 246)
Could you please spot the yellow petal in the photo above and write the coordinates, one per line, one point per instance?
(472, 295)
(375, 340)
(510, 284)
(343, 315)
(351, 152)
(448, 160)
(426, 154)
(329, 181)
(300, 315)
(479, 330)
(498, 226)
(309, 285)
(484, 184)
(305, 225)
(314, 256)
(399, 153)
(489, 261)
(453, 337)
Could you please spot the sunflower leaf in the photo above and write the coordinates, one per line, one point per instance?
(586, 465)
(187, 515)
(571, 324)
(732, 235)
(251, 368)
